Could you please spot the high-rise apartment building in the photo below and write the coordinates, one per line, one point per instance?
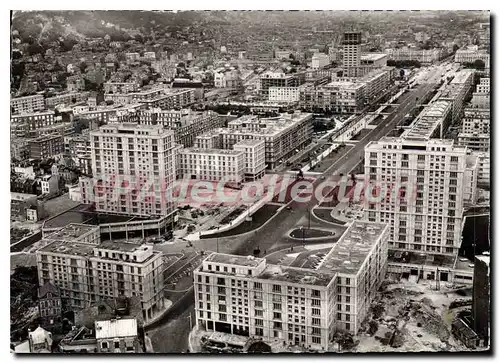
(87, 270)
(351, 44)
(136, 164)
(426, 181)
(298, 306)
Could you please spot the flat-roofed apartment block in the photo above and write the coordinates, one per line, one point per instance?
(27, 104)
(471, 55)
(426, 213)
(374, 81)
(285, 94)
(22, 125)
(46, 146)
(282, 135)
(475, 141)
(456, 91)
(483, 169)
(274, 79)
(187, 124)
(336, 96)
(424, 56)
(165, 98)
(66, 99)
(299, 306)
(212, 164)
(432, 122)
(209, 140)
(374, 59)
(120, 87)
(87, 270)
(255, 162)
(141, 161)
(481, 98)
(476, 120)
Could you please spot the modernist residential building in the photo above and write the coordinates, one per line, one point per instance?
(456, 91)
(66, 99)
(187, 124)
(475, 141)
(120, 87)
(428, 181)
(483, 169)
(23, 123)
(320, 60)
(470, 55)
(424, 56)
(211, 164)
(481, 98)
(27, 104)
(431, 123)
(376, 60)
(141, 162)
(46, 146)
(285, 94)
(476, 120)
(298, 306)
(255, 161)
(351, 44)
(272, 79)
(86, 270)
(336, 96)
(282, 135)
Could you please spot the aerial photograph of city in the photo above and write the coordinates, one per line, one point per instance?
(207, 182)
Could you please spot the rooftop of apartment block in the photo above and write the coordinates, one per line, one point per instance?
(351, 250)
(72, 232)
(246, 261)
(69, 248)
(296, 275)
(248, 142)
(193, 150)
(122, 246)
(373, 56)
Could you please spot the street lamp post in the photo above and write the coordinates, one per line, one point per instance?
(190, 321)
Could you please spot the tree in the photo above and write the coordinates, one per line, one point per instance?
(478, 64)
(83, 67)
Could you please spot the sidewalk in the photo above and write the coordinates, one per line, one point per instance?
(194, 339)
(160, 315)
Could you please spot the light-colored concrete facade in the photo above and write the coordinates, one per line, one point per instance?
(212, 164)
(27, 104)
(87, 271)
(298, 306)
(427, 181)
(132, 154)
(255, 161)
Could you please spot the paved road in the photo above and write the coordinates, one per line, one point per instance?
(173, 336)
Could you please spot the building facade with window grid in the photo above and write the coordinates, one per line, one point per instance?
(428, 180)
(137, 166)
(87, 271)
(298, 306)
